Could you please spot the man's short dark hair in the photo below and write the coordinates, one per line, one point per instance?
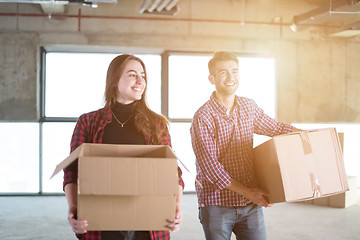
(221, 56)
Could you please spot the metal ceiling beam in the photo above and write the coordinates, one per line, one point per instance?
(326, 12)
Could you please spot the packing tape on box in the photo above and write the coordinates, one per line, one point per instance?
(315, 185)
(305, 141)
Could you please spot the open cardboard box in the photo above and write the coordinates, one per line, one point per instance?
(125, 187)
(301, 166)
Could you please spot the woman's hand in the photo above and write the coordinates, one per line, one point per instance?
(175, 224)
(78, 226)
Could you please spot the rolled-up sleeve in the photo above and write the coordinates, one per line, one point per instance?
(265, 125)
(204, 146)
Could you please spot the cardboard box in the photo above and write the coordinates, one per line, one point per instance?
(301, 166)
(341, 200)
(125, 187)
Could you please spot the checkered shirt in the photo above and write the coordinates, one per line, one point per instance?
(223, 146)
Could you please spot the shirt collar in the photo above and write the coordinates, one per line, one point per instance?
(218, 106)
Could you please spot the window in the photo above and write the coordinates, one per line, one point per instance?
(19, 157)
(189, 87)
(78, 86)
(56, 146)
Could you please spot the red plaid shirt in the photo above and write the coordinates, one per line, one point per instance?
(89, 129)
(223, 147)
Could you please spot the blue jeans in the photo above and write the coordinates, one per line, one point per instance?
(246, 222)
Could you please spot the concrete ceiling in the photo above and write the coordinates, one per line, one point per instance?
(341, 13)
(168, 7)
(58, 6)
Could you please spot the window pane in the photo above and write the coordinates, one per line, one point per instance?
(75, 82)
(19, 157)
(181, 142)
(56, 147)
(153, 70)
(189, 87)
(257, 81)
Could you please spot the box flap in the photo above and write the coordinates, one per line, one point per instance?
(327, 154)
(67, 161)
(311, 173)
(295, 167)
(114, 150)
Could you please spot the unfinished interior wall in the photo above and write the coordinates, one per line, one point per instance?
(18, 76)
(318, 78)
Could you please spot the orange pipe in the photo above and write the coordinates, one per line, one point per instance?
(156, 19)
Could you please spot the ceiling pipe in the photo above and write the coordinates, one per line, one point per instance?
(154, 5)
(162, 5)
(243, 12)
(145, 6)
(171, 4)
(156, 19)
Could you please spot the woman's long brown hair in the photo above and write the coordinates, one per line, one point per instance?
(147, 122)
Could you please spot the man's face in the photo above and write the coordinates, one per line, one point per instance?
(225, 78)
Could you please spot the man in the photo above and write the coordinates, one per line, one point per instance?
(222, 138)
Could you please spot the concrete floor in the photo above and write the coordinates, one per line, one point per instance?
(40, 218)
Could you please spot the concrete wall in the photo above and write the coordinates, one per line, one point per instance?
(318, 78)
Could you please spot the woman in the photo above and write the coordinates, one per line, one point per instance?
(125, 119)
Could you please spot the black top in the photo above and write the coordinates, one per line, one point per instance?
(115, 134)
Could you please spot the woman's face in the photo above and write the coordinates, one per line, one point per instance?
(132, 83)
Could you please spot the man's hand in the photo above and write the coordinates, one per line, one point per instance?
(257, 196)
